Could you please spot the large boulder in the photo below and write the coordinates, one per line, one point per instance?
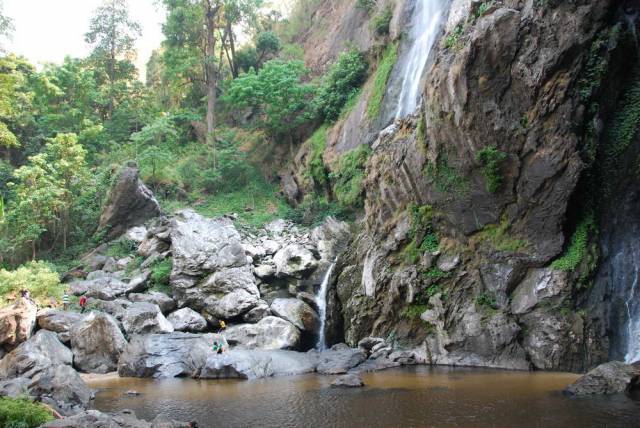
(339, 360)
(294, 260)
(122, 419)
(61, 387)
(348, 381)
(145, 318)
(297, 313)
(269, 333)
(103, 288)
(186, 319)
(201, 246)
(115, 308)
(129, 203)
(230, 292)
(17, 322)
(164, 302)
(608, 378)
(241, 364)
(36, 354)
(165, 355)
(96, 343)
(230, 305)
(59, 322)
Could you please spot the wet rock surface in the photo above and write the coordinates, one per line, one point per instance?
(610, 378)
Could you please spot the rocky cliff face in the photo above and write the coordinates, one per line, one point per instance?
(468, 202)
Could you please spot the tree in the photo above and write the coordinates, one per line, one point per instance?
(112, 34)
(6, 25)
(279, 95)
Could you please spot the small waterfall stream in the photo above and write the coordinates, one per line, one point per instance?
(321, 298)
(633, 324)
(424, 29)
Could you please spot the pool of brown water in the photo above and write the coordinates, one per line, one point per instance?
(408, 397)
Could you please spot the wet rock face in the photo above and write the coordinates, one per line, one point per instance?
(507, 86)
(130, 203)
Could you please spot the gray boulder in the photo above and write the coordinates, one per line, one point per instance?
(269, 333)
(339, 360)
(59, 322)
(256, 314)
(17, 322)
(122, 419)
(231, 292)
(96, 343)
(164, 302)
(62, 388)
(348, 381)
(240, 364)
(187, 319)
(129, 203)
(608, 378)
(36, 354)
(294, 260)
(145, 318)
(165, 355)
(102, 288)
(201, 246)
(115, 308)
(230, 305)
(297, 313)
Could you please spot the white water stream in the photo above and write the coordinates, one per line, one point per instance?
(321, 298)
(633, 325)
(424, 29)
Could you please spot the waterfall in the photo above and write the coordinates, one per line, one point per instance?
(633, 325)
(321, 298)
(423, 31)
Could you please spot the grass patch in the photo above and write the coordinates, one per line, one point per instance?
(349, 177)
(22, 413)
(122, 248)
(413, 312)
(380, 22)
(453, 39)
(423, 237)
(316, 169)
(385, 66)
(160, 274)
(313, 210)
(577, 249)
(491, 158)
(40, 278)
(446, 179)
(498, 236)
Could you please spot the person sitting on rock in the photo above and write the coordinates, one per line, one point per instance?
(217, 347)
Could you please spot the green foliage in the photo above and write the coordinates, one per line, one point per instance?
(366, 5)
(423, 237)
(487, 301)
(122, 247)
(22, 413)
(453, 39)
(267, 43)
(341, 83)
(313, 210)
(349, 176)
(413, 312)
(498, 236)
(484, 8)
(491, 158)
(161, 273)
(38, 277)
(435, 273)
(446, 178)
(380, 22)
(385, 66)
(577, 249)
(316, 169)
(278, 94)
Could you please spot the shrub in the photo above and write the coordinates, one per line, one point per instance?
(453, 39)
(22, 413)
(385, 66)
(313, 210)
(366, 5)
(413, 312)
(38, 277)
(161, 272)
(122, 247)
(446, 178)
(491, 158)
(487, 301)
(380, 22)
(316, 169)
(349, 177)
(498, 236)
(341, 83)
(577, 249)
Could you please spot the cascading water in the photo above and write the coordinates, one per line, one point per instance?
(425, 26)
(321, 299)
(633, 323)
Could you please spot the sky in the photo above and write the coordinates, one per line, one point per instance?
(48, 30)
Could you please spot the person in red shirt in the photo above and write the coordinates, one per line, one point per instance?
(83, 304)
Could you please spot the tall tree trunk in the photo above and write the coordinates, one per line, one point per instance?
(111, 71)
(232, 46)
(211, 12)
